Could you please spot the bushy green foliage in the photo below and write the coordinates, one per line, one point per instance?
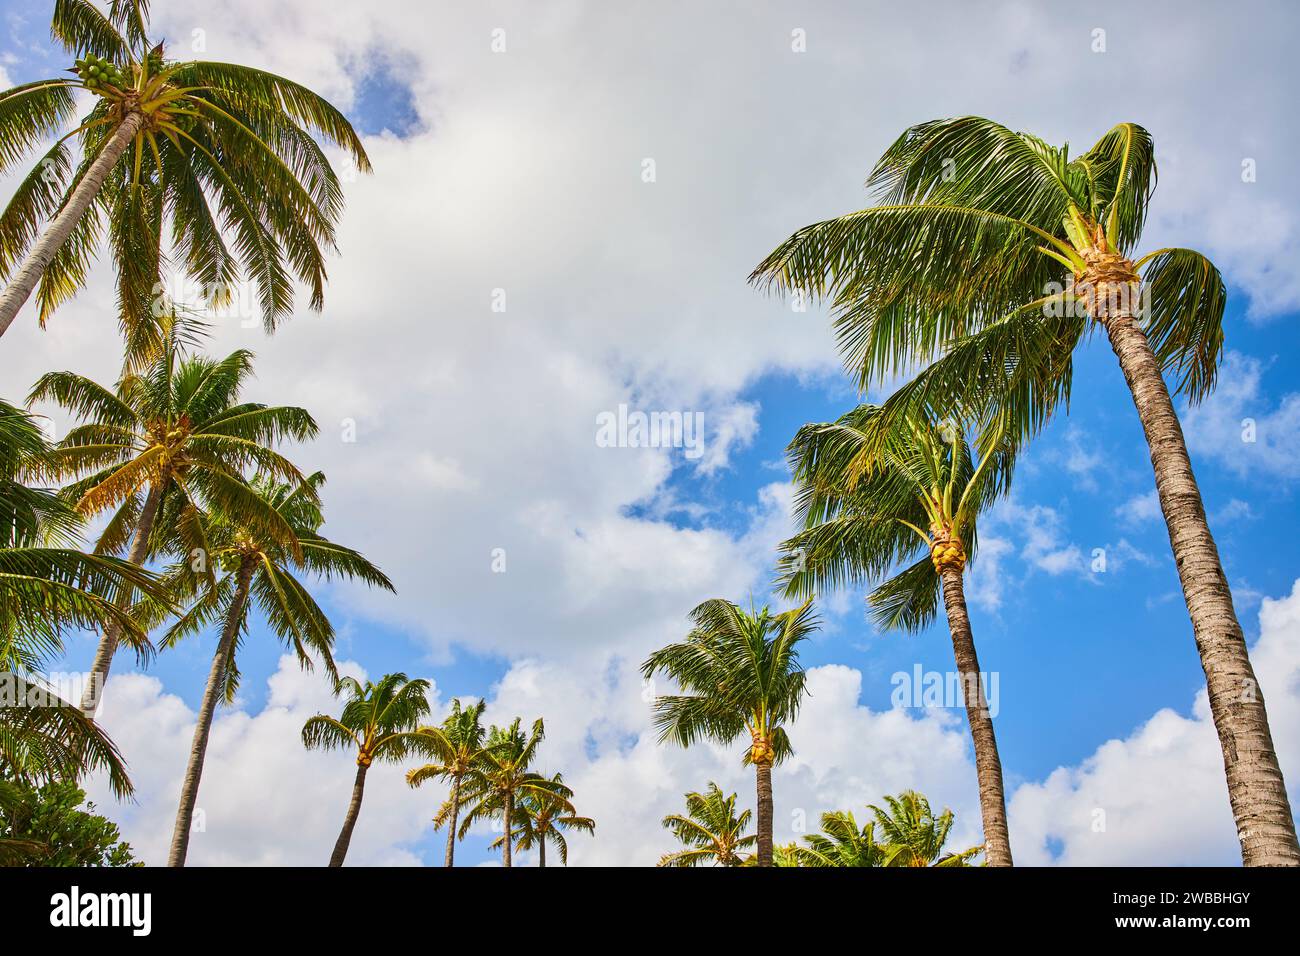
(55, 825)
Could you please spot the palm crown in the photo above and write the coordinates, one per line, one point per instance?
(380, 720)
(246, 568)
(841, 843)
(914, 836)
(965, 252)
(177, 430)
(711, 830)
(924, 489)
(739, 671)
(219, 150)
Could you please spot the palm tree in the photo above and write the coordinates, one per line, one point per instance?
(841, 843)
(458, 748)
(256, 569)
(164, 444)
(739, 672)
(914, 836)
(47, 586)
(915, 506)
(542, 817)
(711, 830)
(223, 152)
(506, 780)
(1002, 253)
(381, 720)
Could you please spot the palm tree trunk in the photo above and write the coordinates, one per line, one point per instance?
(541, 850)
(1256, 789)
(199, 747)
(455, 812)
(90, 697)
(505, 845)
(988, 765)
(764, 774)
(60, 227)
(350, 821)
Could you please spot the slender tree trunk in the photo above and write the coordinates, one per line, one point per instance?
(90, 697)
(541, 851)
(988, 765)
(455, 812)
(1256, 789)
(505, 845)
(38, 258)
(350, 821)
(764, 775)
(199, 747)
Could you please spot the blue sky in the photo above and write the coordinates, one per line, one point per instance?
(1082, 657)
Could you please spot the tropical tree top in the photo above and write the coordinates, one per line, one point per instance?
(176, 426)
(914, 836)
(867, 511)
(380, 720)
(997, 249)
(711, 830)
(504, 776)
(738, 672)
(233, 550)
(457, 744)
(226, 153)
(841, 843)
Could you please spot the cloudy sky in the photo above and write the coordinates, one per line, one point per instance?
(566, 202)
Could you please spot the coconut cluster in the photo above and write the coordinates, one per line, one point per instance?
(99, 74)
(949, 553)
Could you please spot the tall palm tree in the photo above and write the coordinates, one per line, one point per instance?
(381, 720)
(47, 586)
(914, 836)
(915, 506)
(506, 780)
(1001, 253)
(841, 843)
(543, 817)
(165, 443)
(711, 830)
(738, 672)
(223, 152)
(457, 747)
(256, 569)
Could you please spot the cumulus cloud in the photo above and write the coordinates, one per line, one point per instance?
(1241, 428)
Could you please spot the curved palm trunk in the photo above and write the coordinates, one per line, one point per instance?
(90, 697)
(199, 748)
(764, 775)
(350, 821)
(1256, 789)
(455, 812)
(60, 227)
(505, 845)
(988, 765)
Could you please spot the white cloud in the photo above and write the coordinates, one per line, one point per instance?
(1140, 509)
(1239, 427)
